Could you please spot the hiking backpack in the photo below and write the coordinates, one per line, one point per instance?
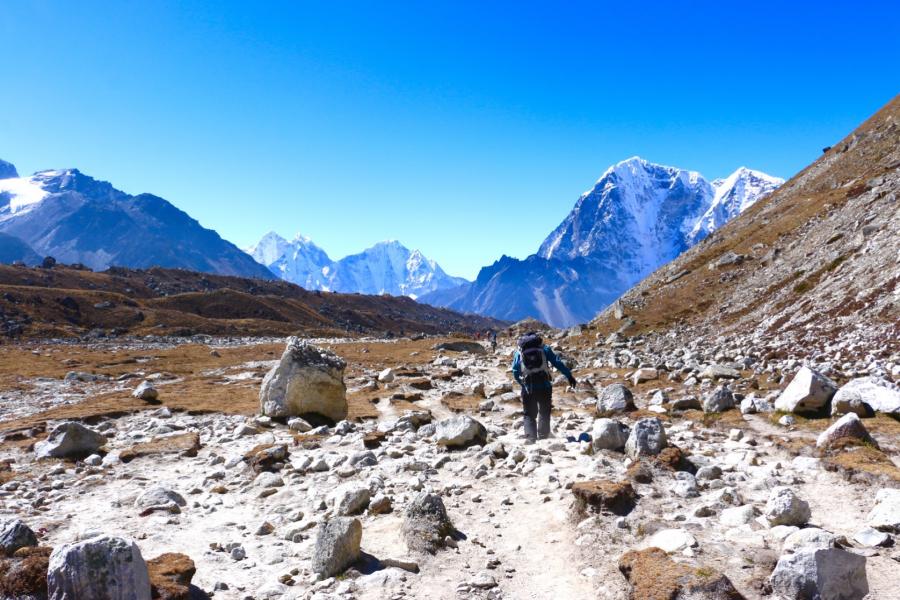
(533, 358)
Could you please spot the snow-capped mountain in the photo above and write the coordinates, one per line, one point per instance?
(636, 218)
(734, 194)
(78, 219)
(385, 268)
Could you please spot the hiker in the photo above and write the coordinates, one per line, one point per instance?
(493, 336)
(531, 369)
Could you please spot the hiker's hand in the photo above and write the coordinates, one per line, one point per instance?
(572, 383)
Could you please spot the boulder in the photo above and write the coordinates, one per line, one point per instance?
(784, 507)
(145, 391)
(15, 534)
(848, 426)
(603, 496)
(608, 434)
(461, 346)
(337, 546)
(807, 391)
(830, 573)
(350, 499)
(685, 403)
(647, 438)
(386, 376)
(716, 372)
(459, 432)
(885, 515)
(670, 540)
(866, 395)
(170, 576)
(102, 568)
(69, 440)
(159, 498)
(808, 537)
(426, 524)
(752, 404)
(615, 398)
(307, 382)
(644, 374)
(654, 576)
(719, 400)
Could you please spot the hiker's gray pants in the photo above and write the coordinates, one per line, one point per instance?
(537, 403)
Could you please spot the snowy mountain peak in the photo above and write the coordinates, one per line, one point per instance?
(733, 195)
(7, 170)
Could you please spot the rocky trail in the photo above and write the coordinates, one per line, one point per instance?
(670, 473)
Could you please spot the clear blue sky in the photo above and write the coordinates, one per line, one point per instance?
(466, 129)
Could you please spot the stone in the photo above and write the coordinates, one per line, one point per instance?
(159, 498)
(807, 391)
(752, 404)
(644, 374)
(808, 537)
(483, 580)
(670, 540)
(647, 438)
(387, 376)
(608, 434)
(15, 534)
(103, 568)
(170, 576)
(865, 396)
(380, 505)
(615, 398)
(716, 372)
(603, 496)
(784, 507)
(350, 499)
(709, 473)
(848, 426)
(70, 440)
(426, 524)
(736, 516)
(337, 546)
(871, 537)
(685, 403)
(299, 425)
(821, 573)
(459, 432)
(145, 391)
(885, 515)
(653, 575)
(719, 400)
(307, 382)
(461, 346)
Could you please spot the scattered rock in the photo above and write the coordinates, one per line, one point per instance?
(386, 376)
(307, 382)
(145, 391)
(808, 391)
(786, 508)
(69, 440)
(871, 537)
(670, 540)
(865, 396)
(101, 567)
(719, 400)
(158, 498)
(337, 546)
(426, 524)
(15, 534)
(644, 374)
(808, 537)
(615, 398)
(885, 515)
(647, 438)
(848, 426)
(608, 434)
(821, 573)
(459, 432)
(350, 499)
(716, 372)
(618, 498)
(654, 576)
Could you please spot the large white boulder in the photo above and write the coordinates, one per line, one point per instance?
(101, 568)
(69, 440)
(647, 438)
(866, 395)
(807, 391)
(307, 381)
(848, 426)
(885, 515)
(337, 546)
(786, 508)
(608, 434)
(460, 431)
(831, 573)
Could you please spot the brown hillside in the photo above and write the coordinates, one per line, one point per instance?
(65, 302)
(816, 259)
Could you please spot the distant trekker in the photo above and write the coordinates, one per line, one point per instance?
(531, 369)
(493, 335)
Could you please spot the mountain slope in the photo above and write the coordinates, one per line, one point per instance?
(815, 260)
(77, 219)
(637, 216)
(12, 249)
(385, 268)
